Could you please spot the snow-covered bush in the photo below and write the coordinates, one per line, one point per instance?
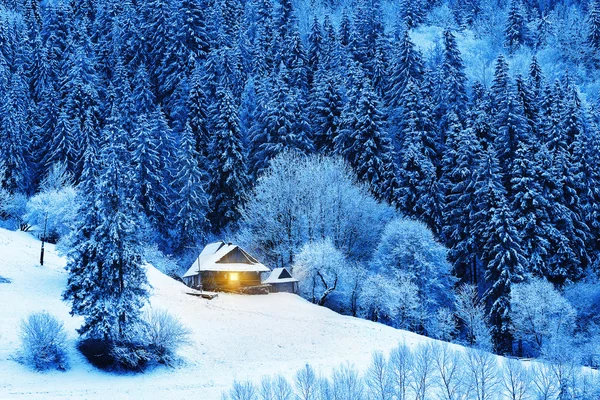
(43, 342)
(319, 269)
(13, 209)
(302, 199)
(165, 335)
(409, 249)
(54, 208)
(539, 312)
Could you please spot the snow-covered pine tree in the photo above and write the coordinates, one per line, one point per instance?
(407, 66)
(452, 92)
(365, 144)
(593, 37)
(500, 244)
(516, 32)
(411, 13)
(531, 208)
(14, 126)
(326, 110)
(107, 283)
(462, 161)
(149, 189)
(228, 175)
(190, 208)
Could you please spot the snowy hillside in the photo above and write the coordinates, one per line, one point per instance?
(234, 336)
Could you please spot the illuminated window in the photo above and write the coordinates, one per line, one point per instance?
(234, 276)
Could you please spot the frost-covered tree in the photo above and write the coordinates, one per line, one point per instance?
(308, 198)
(409, 249)
(471, 312)
(319, 267)
(539, 312)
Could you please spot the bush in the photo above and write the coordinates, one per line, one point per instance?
(165, 335)
(155, 341)
(43, 342)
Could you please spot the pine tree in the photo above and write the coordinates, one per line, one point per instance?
(365, 145)
(190, 207)
(516, 32)
(462, 161)
(452, 97)
(532, 209)
(593, 38)
(408, 66)
(14, 157)
(411, 13)
(107, 284)
(500, 245)
(326, 111)
(228, 176)
(149, 190)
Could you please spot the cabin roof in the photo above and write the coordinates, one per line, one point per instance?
(224, 257)
(280, 275)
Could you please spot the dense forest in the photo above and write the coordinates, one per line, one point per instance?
(172, 122)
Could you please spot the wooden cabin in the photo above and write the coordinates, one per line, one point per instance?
(224, 267)
(281, 280)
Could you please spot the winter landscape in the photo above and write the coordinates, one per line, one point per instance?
(300, 199)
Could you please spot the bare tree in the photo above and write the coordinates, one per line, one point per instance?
(306, 383)
(347, 384)
(449, 370)
(544, 385)
(241, 391)
(516, 380)
(422, 371)
(401, 361)
(378, 378)
(277, 388)
(482, 374)
(471, 311)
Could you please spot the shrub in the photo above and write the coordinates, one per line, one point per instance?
(43, 342)
(165, 335)
(155, 340)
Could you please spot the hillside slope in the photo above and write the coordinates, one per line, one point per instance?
(234, 336)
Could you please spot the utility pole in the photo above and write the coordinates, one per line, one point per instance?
(43, 240)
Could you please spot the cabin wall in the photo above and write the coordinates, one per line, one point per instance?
(288, 287)
(217, 280)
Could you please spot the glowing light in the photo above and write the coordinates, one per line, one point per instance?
(234, 276)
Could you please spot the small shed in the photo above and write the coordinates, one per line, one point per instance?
(224, 267)
(282, 281)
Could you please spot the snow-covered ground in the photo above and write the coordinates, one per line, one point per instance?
(234, 336)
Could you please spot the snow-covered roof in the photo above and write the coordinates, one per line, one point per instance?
(225, 257)
(280, 275)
